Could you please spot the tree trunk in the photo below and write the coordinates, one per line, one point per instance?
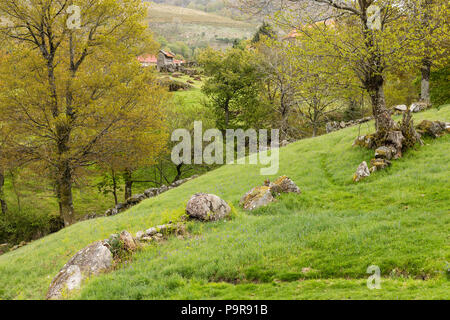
(383, 120)
(314, 134)
(3, 205)
(227, 115)
(425, 83)
(178, 176)
(127, 176)
(114, 180)
(64, 193)
(373, 77)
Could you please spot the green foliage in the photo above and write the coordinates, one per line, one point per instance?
(265, 30)
(106, 184)
(232, 86)
(440, 86)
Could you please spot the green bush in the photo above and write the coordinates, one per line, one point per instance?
(16, 227)
(440, 86)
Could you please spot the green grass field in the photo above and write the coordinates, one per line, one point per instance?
(316, 245)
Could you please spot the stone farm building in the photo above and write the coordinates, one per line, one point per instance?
(165, 61)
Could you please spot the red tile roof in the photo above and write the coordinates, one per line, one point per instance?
(147, 58)
(168, 54)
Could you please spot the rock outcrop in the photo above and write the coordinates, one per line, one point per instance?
(92, 260)
(207, 207)
(263, 195)
(257, 197)
(100, 257)
(284, 185)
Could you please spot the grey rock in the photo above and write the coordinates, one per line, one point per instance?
(257, 197)
(378, 164)
(284, 185)
(127, 240)
(139, 235)
(401, 108)
(207, 207)
(150, 232)
(385, 152)
(418, 106)
(361, 172)
(92, 260)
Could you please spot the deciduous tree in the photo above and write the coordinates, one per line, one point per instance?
(70, 90)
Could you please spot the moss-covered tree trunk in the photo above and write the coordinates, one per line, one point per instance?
(64, 193)
(383, 120)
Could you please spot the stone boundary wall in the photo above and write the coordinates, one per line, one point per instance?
(138, 198)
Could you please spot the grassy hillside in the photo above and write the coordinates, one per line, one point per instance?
(314, 245)
(194, 27)
(163, 13)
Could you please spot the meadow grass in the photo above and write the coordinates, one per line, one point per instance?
(161, 13)
(316, 245)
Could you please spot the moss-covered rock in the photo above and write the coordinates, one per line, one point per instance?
(284, 185)
(433, 129)
(257, 197)
(361, 172)
(378, 164)
(385, 152)
(368, 141)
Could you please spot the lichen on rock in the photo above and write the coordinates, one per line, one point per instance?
(361, 172)
(257, 197)
(92, 260)
(284, 184)
(207, 207)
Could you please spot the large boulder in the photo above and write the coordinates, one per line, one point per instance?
(257, 197)
(207, 207)
(92, 260)
(361, 172)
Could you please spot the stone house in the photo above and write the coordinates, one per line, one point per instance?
(166, 61)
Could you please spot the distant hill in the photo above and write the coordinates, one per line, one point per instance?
(195, 27)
